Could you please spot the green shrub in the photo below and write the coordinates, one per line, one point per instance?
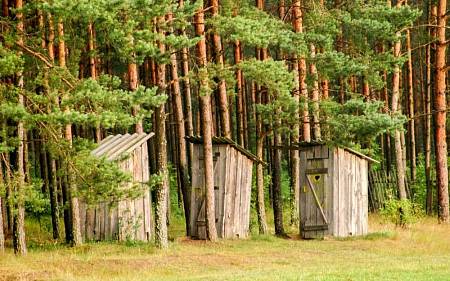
(419, 187)
(402, 212)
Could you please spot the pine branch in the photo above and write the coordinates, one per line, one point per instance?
(44, 60)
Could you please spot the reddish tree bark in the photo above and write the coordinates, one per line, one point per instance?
(440, 106)
(206, 118)
(223, 98)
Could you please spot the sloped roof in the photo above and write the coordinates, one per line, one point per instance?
(228, 141)
(301, 145)
(114, 146)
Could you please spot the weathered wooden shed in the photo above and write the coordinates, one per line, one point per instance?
(333, 191)
(233, 166)
(131, 219)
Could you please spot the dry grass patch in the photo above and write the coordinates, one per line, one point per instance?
(421, 252)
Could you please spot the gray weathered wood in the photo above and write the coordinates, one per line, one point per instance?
(129, 218)
(232, 181)
(333, 191)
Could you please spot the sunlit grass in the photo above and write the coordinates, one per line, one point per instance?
(421, 252)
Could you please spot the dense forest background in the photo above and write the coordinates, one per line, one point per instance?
(370, 75)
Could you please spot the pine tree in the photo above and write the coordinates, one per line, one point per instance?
(206, 118)
(19, 210)
(440, 106)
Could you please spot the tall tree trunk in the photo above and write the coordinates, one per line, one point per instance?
(133, 80)
(19, 242)
(276, 182)
(325, 89)
(205, 107)
(395, 109)
(162, 189)
(260, 198)
(2, 226)
(75, 221)
(54, 204)
(412, 125)
(5, 8)
(302, 72)
(91, 48)
(440, 106)
(260, 140)
(428, 116)
(2, 234)
(386, 138)
(315, 96)
(223, 98)
(239, 95)
(366, 89)
(133, 85)
(8, 192)
(187, 94)
(183, 168)
(295, 137)
(276, 164)
(4, 156)
(93, 69)
(245, 111)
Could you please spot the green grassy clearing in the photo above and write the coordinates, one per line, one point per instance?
(421, 252)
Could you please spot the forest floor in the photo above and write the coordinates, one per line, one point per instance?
(421, 252)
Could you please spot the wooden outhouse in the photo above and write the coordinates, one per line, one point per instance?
(131, 219)
(333, 191)
(233, 166)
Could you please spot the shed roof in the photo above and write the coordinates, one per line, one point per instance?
(114, 146)
(227, 141)
(301, 145)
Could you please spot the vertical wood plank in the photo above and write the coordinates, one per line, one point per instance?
(365, 206)
(302, 187)
(139, 202)
(243, 183)
(231, 190)
(335, 191)
(219, 186)
(237, 196)
(147, 208)
(197, 179)
(200, 220)
(226, 189)
(343, 170)
(354, 192)
(248, 198)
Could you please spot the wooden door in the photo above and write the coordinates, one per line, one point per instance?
(314, 195)
(199, 196)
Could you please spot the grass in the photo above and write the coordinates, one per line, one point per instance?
(421, 252)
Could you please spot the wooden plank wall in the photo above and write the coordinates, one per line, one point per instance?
(197, 194)
(131, 219)
(230, 191)
(351, 184)
(220, 169)
(312, 161)
(365, 197)
(232, 181)
(337, 178)
(343, 193)
(240, 186)
(245, 222)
